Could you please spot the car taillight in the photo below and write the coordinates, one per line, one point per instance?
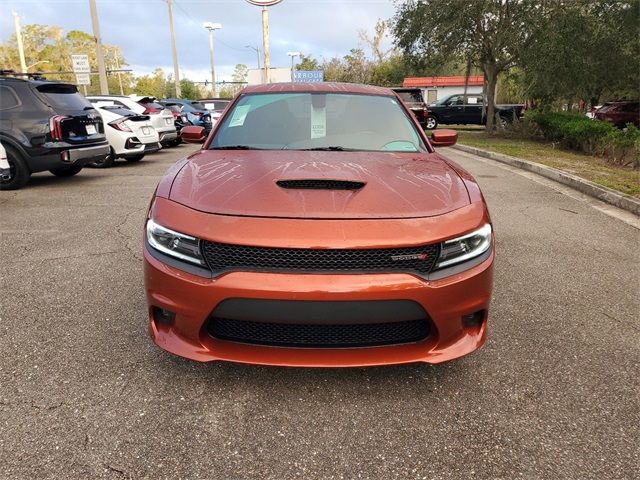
(149, 110)
(120, 125)
(55, 125)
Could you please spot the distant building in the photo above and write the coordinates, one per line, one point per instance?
(434, 88)
(278, 75)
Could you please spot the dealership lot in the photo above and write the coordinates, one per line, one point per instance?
(85, 394)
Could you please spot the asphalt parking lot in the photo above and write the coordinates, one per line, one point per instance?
(85, 394)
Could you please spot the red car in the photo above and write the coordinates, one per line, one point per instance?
(619, 113)
(318, 227)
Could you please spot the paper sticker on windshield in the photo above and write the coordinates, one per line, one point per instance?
(239, 115)
(318, 122)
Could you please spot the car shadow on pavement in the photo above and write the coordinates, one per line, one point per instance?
(47, 180)
(417, 378)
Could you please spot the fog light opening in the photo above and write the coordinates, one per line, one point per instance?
(473, 320)
(64, 156)
(162, 316)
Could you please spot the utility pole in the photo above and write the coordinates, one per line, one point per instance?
(212, 27)
(257, 49)
(16, 24)
(102, 72)
(265, 44)
(174, 52)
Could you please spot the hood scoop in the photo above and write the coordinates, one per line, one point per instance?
(320, 184)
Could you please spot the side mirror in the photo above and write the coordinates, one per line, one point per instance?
(193, 134)
(444, 138)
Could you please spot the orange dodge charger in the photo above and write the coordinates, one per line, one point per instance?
(318, 227)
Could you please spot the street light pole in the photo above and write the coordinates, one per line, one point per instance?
(16, 24)
(293, 55)
(212, 27)
(174, 52)
(257, 49)
(102, 72)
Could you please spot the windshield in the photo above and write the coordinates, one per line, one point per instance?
(318, 121)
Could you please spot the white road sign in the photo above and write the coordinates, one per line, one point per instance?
(83, 79)
(81, 63)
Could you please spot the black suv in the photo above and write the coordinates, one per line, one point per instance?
(47, 125)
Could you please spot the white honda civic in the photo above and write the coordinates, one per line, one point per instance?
(129, 134)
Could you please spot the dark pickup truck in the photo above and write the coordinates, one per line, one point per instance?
(455, 110)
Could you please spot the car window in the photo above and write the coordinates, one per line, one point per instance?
(474, 100)
(456, 100)
(198, 105)
(412, 96)
(63, 96)
(154, 105)
(124, 112)
(300, 121)
(8, 98)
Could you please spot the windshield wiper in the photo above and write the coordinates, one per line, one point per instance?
(333, 148)
(234, 147)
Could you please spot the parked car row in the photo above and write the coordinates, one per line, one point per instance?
(48, 125)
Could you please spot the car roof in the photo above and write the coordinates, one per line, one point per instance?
(34, 81)
(320, 87)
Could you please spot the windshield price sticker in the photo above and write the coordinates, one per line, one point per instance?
(239, 115)
(318, 122)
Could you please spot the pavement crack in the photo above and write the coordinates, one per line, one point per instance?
(134, 253)
(117, 471)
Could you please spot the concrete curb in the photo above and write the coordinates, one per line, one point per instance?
(608, 195)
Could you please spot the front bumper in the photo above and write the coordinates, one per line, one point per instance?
(193, 298)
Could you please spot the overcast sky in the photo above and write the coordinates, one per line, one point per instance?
(323, 28)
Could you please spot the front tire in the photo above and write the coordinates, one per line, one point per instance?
(69, 171)
(19, 172)
(431, 122)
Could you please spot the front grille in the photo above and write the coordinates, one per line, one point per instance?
(320, 184)
(318, 336)
(224, 257)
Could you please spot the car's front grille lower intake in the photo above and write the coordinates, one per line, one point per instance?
(318, 336)
(224, 257)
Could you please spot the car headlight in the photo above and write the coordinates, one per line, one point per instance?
(464, 248)
(174, 244)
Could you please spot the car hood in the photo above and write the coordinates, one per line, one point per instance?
(396, 185)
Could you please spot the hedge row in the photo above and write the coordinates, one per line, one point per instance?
(590, 136)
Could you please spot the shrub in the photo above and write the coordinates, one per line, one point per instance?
(580, 133)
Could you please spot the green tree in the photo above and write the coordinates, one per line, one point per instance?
(307, 62)
(240, 73)
(490, 34)
(154, 85)
(584, 49)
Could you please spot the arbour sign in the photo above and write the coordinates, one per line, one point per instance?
(308, 76)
